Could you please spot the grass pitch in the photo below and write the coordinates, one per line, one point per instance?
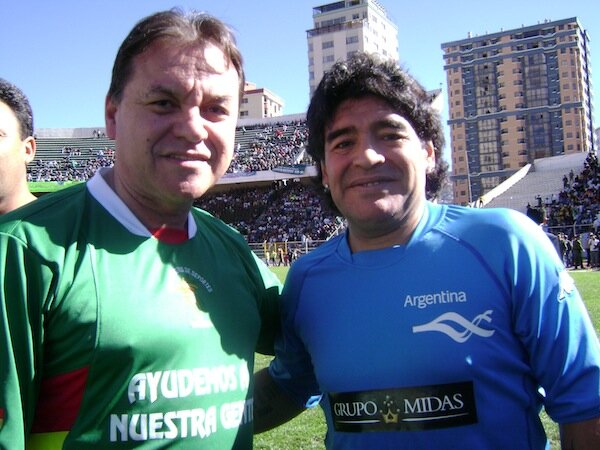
(307, 431)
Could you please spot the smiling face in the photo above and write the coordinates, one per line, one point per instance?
(375, 166)
(174, 127)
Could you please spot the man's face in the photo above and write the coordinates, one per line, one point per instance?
(15, 153)
(375, 166)
(174, 126)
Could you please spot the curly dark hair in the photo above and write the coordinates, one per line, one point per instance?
(17, 101)
(366, 75)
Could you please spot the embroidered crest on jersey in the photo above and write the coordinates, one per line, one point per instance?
(188, 290)
(457, 327)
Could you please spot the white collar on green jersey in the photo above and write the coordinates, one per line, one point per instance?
(108, 198)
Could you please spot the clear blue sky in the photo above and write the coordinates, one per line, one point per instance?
(61, 52)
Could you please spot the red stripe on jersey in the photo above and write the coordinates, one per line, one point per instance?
(170, 235)
(59, 401)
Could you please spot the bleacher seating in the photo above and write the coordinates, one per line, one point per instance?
(286, 210)
(543, 179)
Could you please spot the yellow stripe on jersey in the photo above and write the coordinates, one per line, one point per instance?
(46, 441)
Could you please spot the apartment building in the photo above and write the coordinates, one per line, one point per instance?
(344, 27)
(515, 96)
(258, 103)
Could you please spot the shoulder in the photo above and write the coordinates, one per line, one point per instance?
(60, 208)
(319, 254)
(48, 226)
(207, 223)
(316, 260)
(486, 221)
(222, 238)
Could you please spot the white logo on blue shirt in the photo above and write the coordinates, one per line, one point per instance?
(460, 336)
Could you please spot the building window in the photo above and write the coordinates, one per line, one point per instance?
(351, 39)
(327, 44)
(328, 58)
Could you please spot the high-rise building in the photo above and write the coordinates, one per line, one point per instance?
(345, 27)
(515, 96)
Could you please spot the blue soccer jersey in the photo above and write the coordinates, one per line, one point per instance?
(454, 340)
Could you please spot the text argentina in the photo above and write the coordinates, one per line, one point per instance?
(425, 300)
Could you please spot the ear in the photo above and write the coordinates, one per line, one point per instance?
(429, 150)
(29, 147)
(110, 112)
(325, 177)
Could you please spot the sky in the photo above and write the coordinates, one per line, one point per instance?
(60, 53)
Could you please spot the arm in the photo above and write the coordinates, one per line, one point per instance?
(20, 342)
(583, 435)
(272, 406)
(269, 309)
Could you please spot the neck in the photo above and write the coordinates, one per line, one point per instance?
(380, 235)
(16, 200)
(154, 216)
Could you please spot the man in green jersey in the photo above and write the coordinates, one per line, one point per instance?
(128, 318)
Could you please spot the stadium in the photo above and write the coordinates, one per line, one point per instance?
(269, 195)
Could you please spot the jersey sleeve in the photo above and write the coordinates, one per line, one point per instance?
(292, 368)
(269, 309)
(552, 322)
(25, 280)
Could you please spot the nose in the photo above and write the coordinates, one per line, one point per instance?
(192, 126)
(368, 155)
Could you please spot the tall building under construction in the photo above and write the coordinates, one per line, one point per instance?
(515, 96)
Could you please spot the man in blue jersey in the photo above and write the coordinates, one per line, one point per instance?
(423, 326)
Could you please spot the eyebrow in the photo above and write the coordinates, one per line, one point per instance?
(163, 90)
(378, 125)
(332, 135)
(159, 90)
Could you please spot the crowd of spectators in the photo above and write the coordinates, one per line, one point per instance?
(74, 165)
(282, 212)
(576, 207)
(270, 146)
(574, 215)
(292, 212)
(260, 147)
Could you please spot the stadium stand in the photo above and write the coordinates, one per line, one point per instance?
(544, 178)
(268, 194)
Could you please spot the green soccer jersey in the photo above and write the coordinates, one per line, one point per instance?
(111, 338)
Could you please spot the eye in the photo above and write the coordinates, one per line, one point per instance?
(340, 145)
(392, 136)
(218, 109)
(216, 112)
(162, 105)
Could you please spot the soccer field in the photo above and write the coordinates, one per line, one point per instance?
(306, 432)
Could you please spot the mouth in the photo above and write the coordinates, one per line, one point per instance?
(371, 182)
(186, 157)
